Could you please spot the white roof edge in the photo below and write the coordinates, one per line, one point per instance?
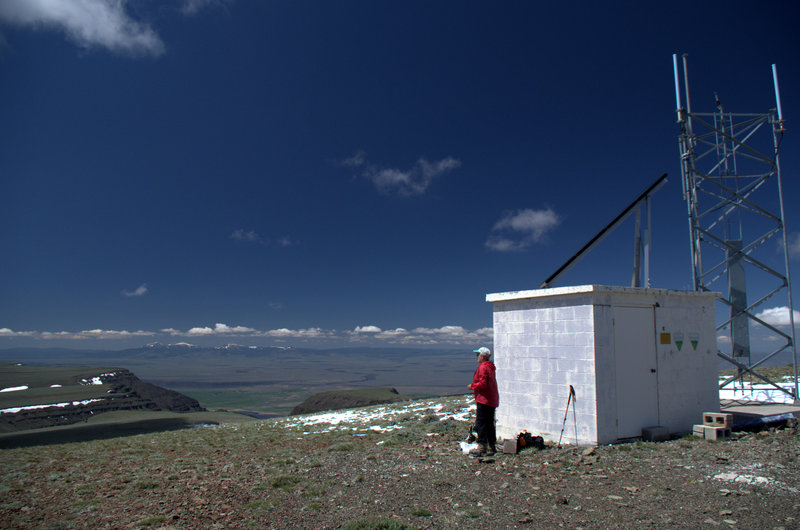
(586, 289)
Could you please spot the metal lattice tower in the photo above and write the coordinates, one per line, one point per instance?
(732, 188)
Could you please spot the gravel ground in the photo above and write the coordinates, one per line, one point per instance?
(407, 469)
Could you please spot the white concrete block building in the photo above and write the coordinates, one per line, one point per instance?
(635, 357)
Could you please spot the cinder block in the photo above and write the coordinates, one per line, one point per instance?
(718, 419)
(656, 433)
(699, 430)
(510, 447)
(716, 433)
(565, 339)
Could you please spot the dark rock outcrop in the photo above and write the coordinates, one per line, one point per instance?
(127, 392)
(345, 399)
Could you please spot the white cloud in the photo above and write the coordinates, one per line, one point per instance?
(367, 329)
(219, 329)
(249, 235)
(113, 334)
(192, 7)
(357, 160)
(200, 331)
(222, 328)
(139, 291)
(98, 334)
(793, 240)
(89, 23)
(5, 332)
(520, 229)
(309, 333)
(444, 330)
(412, 181)
(389, 334)
(779, 316)
(419, 336)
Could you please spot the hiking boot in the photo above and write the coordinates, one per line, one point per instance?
(491, 450)
(478, 451)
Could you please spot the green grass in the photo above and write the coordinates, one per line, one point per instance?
(377, 524)
(279, 402)
(150, 521)
(285, 482)
(115, 424)
(316, 490)
(369, 394)
(263, 504)
(344, 447)
(772, 372)
(39, 379)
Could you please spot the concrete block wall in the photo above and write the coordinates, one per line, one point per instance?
(541, 348)
(546, 340)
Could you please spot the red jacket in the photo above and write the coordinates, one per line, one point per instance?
(484, 385)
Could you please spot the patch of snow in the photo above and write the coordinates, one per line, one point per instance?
(758, 392)
(379, 418)
(753, 480)
(744, 479)
(14, 410)
(14, 388)
(97, 380)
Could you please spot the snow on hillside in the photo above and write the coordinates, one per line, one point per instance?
(381, 418)
(760, 392)
(14, 410)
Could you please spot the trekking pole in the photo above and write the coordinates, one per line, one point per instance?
(574, 413)
(564, 423)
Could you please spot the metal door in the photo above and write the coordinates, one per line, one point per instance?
(636, 379)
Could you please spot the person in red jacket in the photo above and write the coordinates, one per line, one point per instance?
(487, 399)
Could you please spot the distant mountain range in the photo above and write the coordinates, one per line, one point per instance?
(70, 355)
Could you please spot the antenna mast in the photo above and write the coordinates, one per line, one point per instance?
(732, 187)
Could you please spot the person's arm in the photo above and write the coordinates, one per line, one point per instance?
(482, 380)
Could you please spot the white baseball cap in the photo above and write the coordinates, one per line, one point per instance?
(486, 352)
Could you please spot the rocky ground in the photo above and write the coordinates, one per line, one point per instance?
(408, 470)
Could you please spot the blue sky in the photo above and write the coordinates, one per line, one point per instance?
(342, 173)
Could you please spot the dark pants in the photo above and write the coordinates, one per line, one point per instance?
(484, 425)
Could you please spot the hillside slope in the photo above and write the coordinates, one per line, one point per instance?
(33, 397)
(400, 463)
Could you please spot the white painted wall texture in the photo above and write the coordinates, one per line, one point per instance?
(546, 340)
